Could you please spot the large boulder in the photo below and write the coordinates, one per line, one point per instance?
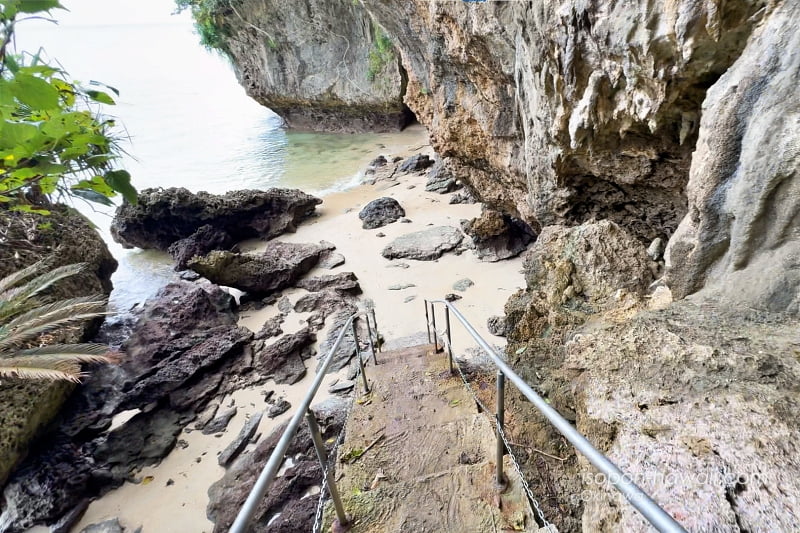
(425, 245)
(381, 212)
(62, 238)
(163, 216)
(278, 267)
(741, 238)
(497, 236)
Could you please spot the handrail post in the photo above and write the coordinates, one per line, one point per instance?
(501, 483)
(316, 436)
(433, 325)
(449, 338)
(377, 332)
(371, 344)
(428, 321)
(360, 361)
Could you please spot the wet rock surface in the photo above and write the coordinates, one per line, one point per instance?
(228, 494)
(278, 267)
(497, 236)
(425, 245)
(164, 216)
(199, 243)
(381, 212)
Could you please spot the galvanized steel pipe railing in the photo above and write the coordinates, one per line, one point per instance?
(654, 514)
(269, 473)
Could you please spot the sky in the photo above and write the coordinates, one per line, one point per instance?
(111, 12)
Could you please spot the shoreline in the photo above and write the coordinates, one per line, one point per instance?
(172, 496)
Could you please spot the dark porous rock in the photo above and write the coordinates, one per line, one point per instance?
(376, 163)
(202, 241)
(227, 495)
(285, 305)
(381, 212)
(283, 359)
(323, 304)
(347, 348)
(278, 407)
(330, 260)
(425, 245)
(240, 442)
(163, 216)
(278, 267)
(189, 275)
(107, 526)
(343, 282)
(497, 325)
(220, 422)
(416, 163)
(497, 236)
(441, 180)
(271, 328)
(452, 297)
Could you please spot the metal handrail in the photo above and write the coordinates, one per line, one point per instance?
(654, 514)
(270, 470)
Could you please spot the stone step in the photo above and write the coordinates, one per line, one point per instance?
(418, 456)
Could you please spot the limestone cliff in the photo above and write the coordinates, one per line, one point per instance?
(321, 65)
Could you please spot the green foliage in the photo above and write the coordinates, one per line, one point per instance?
(28, 319)
(207, 15)
(381, 54)
(54, 141)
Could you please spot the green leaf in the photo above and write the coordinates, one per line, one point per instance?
(96, 184)
(25, 208)
(93, 196)
(34, 92)
(37, 6)
(12, 64)
(100, 96)
(120, 181)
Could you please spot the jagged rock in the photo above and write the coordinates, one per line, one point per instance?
(285, 305)
(227, 495)
(207, 415)
(463, 197)
(220, 422)
(278, 267)
(240, 442)
(463, 284)
(342, 386)
(497, 236)
(656, 249)
(163, 216)
(378, 162)
(425, 245)
(283, 359)
(452, 297)
(415, 163)
(347, 348)
(381, 212)
(330, 260)
(189, 275)
(441, 180)
(108, 526)
(497, 325)
(345, 282)
(271, 327)
(323, 304)
(202, 241)
(278, 407)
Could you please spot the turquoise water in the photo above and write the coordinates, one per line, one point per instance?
(189, 122)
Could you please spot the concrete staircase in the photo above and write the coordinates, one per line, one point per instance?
(418, 457)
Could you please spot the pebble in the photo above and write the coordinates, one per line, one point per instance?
(463, 284)
(401, 286)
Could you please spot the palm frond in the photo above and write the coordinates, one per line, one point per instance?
(15, 278)
(55, 310)
(10, 339)
(18, 294)
(85, 353)
(48, 374)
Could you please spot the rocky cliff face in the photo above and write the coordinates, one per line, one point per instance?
(321, 65)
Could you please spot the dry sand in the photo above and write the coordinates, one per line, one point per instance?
(179, 506)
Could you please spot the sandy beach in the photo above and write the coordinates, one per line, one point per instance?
(172, 496)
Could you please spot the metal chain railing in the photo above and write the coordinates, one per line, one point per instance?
(654, 514)
(333, 452)
(532, 501)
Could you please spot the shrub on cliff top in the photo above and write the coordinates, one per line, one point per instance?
(28, 319)
(54, 141)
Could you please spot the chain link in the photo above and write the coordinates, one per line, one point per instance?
(334, 449)
(514, 461)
